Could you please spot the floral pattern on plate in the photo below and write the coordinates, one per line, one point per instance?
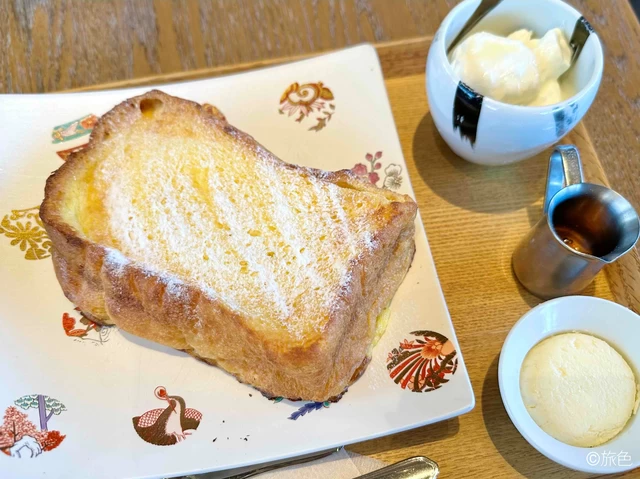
(392, 173)
(423, 364)
(25, 229)
(307, 100)
(92, 332)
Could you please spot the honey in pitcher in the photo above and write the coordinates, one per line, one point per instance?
(586, 226)
(576, 241)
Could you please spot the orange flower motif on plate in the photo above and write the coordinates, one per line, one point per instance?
(431, 349)
(423, 364)
(87, 330)
(308, 100)
(406, 344)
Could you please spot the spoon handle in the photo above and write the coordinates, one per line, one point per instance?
(485, 7)
(419, 467)
(581, 32)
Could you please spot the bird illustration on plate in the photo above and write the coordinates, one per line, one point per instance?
(169, 425)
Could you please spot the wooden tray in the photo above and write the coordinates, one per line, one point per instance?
(474, 216)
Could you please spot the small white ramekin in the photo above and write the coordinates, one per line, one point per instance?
(618, 326)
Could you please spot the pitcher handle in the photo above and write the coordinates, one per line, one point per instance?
(565, 168)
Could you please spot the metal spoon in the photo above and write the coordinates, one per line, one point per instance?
(581, 32)
(485, 7)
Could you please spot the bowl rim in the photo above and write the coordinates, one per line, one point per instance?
(549, 446)
(593, 81)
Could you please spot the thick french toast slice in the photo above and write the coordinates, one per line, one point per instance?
(179, 228)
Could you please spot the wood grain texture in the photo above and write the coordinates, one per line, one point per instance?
(493, 208)
(63, 44)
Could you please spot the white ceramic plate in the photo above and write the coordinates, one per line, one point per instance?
(617, 325)
(58, 374)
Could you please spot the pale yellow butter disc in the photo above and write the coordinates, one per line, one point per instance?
(578, 389)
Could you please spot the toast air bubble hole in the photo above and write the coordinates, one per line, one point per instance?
(150, 106)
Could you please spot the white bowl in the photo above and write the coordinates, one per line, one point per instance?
(617, 325)
(507, 133)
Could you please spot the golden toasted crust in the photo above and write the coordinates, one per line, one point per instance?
(112, 289)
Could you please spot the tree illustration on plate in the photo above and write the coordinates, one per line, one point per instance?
(47, 407)
(19, 437)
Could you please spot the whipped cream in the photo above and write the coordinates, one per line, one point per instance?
(516, 69)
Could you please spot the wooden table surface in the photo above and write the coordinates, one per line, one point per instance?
(52, 46)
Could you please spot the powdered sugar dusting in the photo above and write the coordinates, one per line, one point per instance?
(174, 287)
(368, 240)
(116, 261)
(271, 243)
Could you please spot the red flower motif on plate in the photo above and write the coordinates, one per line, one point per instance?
(392, 173)
(423, 364)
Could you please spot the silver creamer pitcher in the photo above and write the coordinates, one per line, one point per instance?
(584, 227)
